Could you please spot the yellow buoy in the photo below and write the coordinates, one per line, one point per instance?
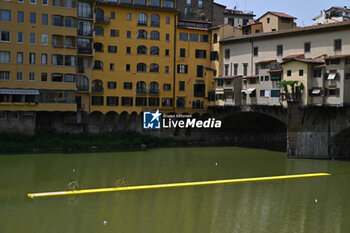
(174, 185)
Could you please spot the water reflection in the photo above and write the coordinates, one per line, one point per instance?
(274, 207)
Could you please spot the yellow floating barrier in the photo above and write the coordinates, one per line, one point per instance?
(174, 185)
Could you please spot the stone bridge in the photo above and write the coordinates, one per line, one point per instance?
(312, 131)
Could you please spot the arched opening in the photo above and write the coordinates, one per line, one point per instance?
(97, 86)
(141, 49)
(141, 67)
(155, 35)
(141, 34)
(153, 88)
(155, 20)
(98, 47)
(99, 15)
(98, 65)
(154, 50)
(142, 19)
(82, 83)
(215, 38)
(180, 103)
(154, 68)
(141, 88)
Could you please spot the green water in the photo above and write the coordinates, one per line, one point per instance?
(271, 207)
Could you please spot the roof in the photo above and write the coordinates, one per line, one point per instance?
(192, 28)
(266, 61)
(305, 60)
(279, 14)
(300, 55)
(219, 4)
(339, 8)
(127, 5)
(220, 26)
(275, 71)
(337, 56)
(195, 21)
(238, 12)
(288, 32)
(228, 77)
(319, 66)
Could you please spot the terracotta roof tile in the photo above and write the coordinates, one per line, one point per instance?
(300, 55)
(337, 56)
(281, 14)
(266, 61)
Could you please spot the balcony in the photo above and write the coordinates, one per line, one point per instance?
(83, 88)
(85, 15)
(97, 90)
(86, 33)
(154, 92)
(103, 20)
(141, 91)
(85, 51)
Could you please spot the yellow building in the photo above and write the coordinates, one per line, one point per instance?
(194, 73)
(37, 56)
(133, 67)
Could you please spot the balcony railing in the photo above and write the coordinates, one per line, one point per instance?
(85, 15)
(141, 91)
(154, 92)
(82, 32)
(85, 51)
(104, 20)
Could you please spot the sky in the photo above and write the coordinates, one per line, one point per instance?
(304, 10)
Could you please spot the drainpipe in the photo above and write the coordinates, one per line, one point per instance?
(174, 66)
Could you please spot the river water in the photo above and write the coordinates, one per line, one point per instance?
(313, 205)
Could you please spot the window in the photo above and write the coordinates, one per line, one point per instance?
(182, 69)
(227, 53)
(285, 20)
(111, 66)
(5, 15)
(167, 20)
(43, 77)
(127, 85)
(155, 35)
(226, 69)
(235, 69)
(154, 2)
(4, 75)
(69, 78)
(267, 78)
(245, 69)
(219, 83)
(69, 60)
(32, 38)
(167, 69)
(112, 15)
(19, 58)
(127, 67)
(200, 71)
(301, 72)
(57, 60)
(183, 36)
(289, 73)
(256, 68)
(199, 90)
(112, 100)
(141, 49)
(31, 58)
(153, 88)
(128, 50)
(127, 101)
(200, 3)
(20, 16)
(45, 2)
(31, 76)
(111, 85)
(153, 101)
(140, 2)
(97, 100)
(167, 36)
(279, 50)
(69, 22)
(99, 31)
(256, 51)
(32, 1)
(4, 57)
(32, 18)
(19, 37)
(203, 38)
(188, 3)
(98, 65)
(337, 45)
(181, 85)
(57, 20)
(182, 52)
(44, 59)
(5, 36)
(128, 16)
(168, 3)
(167, 87)
(215, 38)
(142, 19)
(167, 52)
(155, 20)
(141, 67)
(317, 73)
(128, 34)
(268, 20)
(194, 37)
(154, 68)
(307, 47)
(44, 19)
(142, 34)
(154, 51)
(44, 39)
(19, 76)
(201, 53)
(114, 33)
(112, 49)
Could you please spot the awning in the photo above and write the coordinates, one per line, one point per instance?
(316, 91)
(19, 92)
(331, 76)
(248, 91)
